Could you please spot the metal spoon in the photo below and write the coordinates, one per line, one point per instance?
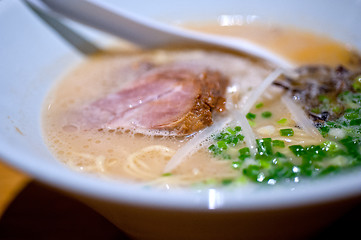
(149, 33)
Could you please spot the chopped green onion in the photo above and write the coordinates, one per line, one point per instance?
(351, 115)
(282, 121)
(215, 150)
(231, 131)
(237, 128)
(265, 164)
(252, 172)
(230, 137)
(259, 105)
(251, 123)
(236, 164)
(329, 146)
(355, 122)
(222, 145)
(278, 143)
(267, 114)
(264, 146)
(287, 132)
(280, 155)
(251, 116)
(244, 153)
(357, 83)
(244, 150)
(297, 150)
(212, 147)
(227, 181)
(166, 174)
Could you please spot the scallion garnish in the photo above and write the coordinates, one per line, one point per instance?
(357, 83)
(282, 121)
(288, 132)
(251, 116)
(278, 143)
(228, 138)
(259, 105)
(266, 114)
(275, 163)
(251, 123)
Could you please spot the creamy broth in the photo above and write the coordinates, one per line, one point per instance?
(133, 156)
(299, 46)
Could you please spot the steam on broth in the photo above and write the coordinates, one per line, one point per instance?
(268, 142)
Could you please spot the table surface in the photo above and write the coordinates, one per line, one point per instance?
(31, 210)
(11, 182)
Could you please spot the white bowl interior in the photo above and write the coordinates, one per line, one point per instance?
(35, 57)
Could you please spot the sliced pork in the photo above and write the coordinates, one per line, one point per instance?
(176, 99)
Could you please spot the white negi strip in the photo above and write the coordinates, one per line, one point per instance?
(249, 136)
(259, 90)
(195, 144)
(300, 117)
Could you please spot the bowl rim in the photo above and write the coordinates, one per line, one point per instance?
(328, 189)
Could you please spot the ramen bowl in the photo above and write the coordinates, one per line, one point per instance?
(34, 57)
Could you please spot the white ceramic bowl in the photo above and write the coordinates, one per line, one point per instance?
(33, 56)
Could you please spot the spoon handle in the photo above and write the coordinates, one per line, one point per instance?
(108, 18)
(149, 33)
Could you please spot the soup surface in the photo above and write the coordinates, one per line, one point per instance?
(245, 141)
